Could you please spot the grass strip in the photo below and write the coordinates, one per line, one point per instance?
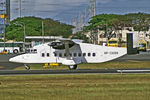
(75, 87)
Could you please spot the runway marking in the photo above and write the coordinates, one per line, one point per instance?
(133, 61)
(133, 70)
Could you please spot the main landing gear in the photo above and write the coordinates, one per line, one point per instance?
(27, 67)
(73, 67)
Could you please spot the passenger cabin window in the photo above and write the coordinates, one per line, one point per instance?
(84, 54)
(47, 54)
(94, 54)
(75, 54)
(43, 55)
(55, 54)
(60, 54)
(70, 54)
(89, 54)
(79, 54)
(64, 54)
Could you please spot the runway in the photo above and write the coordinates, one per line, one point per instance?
(67, 72)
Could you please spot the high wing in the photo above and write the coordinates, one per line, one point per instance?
(66, 44)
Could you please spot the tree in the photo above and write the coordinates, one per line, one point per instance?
(112, 22)
(80, 36)
(34, 28)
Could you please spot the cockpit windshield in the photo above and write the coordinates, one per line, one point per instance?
(31, 51)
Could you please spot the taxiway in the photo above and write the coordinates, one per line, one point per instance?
(85, 71)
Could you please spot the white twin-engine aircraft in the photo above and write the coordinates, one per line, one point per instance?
(68, 52)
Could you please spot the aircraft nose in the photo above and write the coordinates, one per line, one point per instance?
(11, 60)
(14, 59)
(17, 59)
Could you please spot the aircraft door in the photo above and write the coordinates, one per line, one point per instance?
(43, 53)
(56, 56)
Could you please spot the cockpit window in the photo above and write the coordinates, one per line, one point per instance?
(31, 51)
(35, 50)
(27, 51)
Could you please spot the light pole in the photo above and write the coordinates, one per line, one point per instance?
(4, 34)
(43, 31)
(19, 8)
(24, 26)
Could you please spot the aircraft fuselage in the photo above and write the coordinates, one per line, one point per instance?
(79, 53)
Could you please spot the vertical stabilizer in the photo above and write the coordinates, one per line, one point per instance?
(130, 48)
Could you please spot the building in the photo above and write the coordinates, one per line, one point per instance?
(119, 34)
(4, 15)
(102, 37)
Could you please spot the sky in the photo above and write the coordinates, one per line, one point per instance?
(66, 10)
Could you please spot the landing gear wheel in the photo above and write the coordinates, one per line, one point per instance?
(73, 67)
(27, 67)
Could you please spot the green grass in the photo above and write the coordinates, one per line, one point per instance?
(75, 87)
(107, 65)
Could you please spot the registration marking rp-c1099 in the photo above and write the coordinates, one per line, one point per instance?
(111, 53)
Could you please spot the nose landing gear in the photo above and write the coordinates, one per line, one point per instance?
(27, 67)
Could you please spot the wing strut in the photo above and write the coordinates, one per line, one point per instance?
(67, 51)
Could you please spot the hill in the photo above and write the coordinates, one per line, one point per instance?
(15, 31)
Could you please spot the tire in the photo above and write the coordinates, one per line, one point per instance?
(15, 51)
(73, 67)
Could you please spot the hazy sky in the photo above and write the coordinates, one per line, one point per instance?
(66, 10)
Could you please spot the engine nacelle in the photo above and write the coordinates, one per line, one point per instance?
(60, 45)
